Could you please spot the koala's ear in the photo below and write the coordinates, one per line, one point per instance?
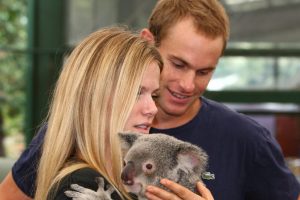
(127, 140)
(191, 158)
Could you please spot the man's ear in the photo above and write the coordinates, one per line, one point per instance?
(146, 34)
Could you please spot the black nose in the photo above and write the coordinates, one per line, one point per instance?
(128, 173)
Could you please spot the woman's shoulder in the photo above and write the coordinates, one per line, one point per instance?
(87, 183)
(84, 176)
(84, 173)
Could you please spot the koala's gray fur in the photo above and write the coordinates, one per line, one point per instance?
(167, 157)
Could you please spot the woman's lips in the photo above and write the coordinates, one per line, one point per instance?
(144, 126)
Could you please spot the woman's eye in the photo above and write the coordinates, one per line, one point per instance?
(140, 93)
(155, 96)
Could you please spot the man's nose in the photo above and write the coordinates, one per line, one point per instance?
(187, 82)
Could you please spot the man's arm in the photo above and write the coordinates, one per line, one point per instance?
(10, 191)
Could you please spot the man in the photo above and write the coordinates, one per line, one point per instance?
(246, 161)
(245, 158)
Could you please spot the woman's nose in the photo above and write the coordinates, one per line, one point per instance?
(150, 107)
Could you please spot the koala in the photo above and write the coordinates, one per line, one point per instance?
(147, 159)
(150, 157)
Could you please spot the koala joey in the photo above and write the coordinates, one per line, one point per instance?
(150, 157)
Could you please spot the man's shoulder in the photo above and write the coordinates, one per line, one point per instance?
(220, 110)
(210, 105)
(232, 120)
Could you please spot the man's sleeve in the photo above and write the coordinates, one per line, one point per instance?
(269, 177)
(24, 170)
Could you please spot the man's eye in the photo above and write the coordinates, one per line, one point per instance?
(203, 72)
(177, 64)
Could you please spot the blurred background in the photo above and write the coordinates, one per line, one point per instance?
(259, 75)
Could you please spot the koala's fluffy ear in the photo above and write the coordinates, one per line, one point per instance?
(191, 158)
(127, 140)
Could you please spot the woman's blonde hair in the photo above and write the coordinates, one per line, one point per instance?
(209, 18)
(93, 98)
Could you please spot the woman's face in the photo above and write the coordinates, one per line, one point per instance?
(144, 110)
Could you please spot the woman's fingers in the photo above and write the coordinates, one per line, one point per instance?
(156, 193)
(178, 192)
(205, 193)
(181, 191)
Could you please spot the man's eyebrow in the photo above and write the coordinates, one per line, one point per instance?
(172, 57)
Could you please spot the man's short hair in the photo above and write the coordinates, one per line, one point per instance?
(209, 16)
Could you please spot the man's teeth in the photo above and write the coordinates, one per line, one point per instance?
(178, 95)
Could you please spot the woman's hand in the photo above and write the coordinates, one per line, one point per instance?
(179, 192)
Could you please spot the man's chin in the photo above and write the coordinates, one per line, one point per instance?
(175, 111)
(179, 110)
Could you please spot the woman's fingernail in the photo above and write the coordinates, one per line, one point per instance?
(149, 189)
(164, 181)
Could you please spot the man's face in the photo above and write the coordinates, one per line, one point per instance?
(189, 59)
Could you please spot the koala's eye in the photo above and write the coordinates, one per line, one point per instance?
(124, 163)
(148, 167)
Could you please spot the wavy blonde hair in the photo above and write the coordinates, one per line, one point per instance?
(93, 98)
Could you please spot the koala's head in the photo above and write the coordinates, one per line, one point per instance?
(148, 158)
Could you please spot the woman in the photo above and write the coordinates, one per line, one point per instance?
(106, 86)
(96, 97)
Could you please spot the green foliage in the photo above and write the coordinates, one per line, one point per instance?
(13, 63)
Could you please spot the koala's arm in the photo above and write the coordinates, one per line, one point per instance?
(81, 193)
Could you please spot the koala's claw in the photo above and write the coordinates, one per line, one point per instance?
(81, 193)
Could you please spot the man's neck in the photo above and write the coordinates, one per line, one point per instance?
(164, 120)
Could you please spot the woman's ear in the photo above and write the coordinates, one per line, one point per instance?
(146, 34)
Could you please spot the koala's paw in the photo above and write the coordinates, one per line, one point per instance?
(81, 193)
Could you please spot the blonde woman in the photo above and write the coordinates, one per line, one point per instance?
(107, 85)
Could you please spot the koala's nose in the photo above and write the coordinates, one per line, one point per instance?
(128, 173)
